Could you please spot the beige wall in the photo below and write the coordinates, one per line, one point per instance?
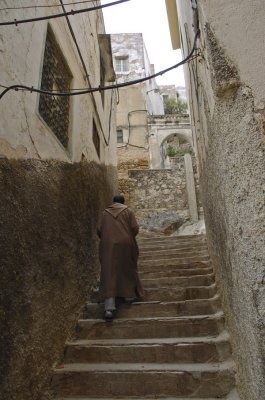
(23, 133)
(227, 109)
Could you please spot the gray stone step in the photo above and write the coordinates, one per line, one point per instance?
(157, 309)
(195, 350)
(103, 380)
(152, 254)
(173, 261)
(179, 281)
(180, 294)
(137, 328)
(164, 267)
(137, 398)
(176, 272)
(175, 239)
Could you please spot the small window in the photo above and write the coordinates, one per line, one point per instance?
(122, 64)
(119, 136)
(96, 139)
(56, 75)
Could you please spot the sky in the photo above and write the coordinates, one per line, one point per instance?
(148, 17)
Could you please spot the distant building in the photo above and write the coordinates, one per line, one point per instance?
(135, 102)
(172, 91)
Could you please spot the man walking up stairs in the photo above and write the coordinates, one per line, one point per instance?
(171, 346)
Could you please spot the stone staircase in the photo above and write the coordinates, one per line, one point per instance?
(171, 346)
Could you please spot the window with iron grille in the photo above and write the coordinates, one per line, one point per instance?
(119, 135)
(56, 76)
(96, 139)
(122, 64)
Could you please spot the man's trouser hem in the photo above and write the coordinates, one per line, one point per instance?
(109, 304)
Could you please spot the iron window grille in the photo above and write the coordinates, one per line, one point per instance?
(56, 75)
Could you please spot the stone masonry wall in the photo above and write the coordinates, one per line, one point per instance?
(130, 158)
(154, 191)
(49, 262)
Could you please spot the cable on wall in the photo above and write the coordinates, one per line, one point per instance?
(77, 92)
(64, 14)
(45, 6)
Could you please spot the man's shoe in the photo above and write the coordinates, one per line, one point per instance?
(108, 315)
(129, 300)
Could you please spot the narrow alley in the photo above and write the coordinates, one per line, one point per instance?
(172, 345)
(160, 103)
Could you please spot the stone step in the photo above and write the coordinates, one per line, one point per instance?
(173, 261)
(103, 380)
(137, 398)
(172, 246)
(157, 309)
(164, 267)
(172, 293)
(194, 350)
(176, 272)
(160, 254)
(140, 328)
(179, 281)
(176, 239)
(180, 294)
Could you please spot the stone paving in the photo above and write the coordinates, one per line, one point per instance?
(174, 345)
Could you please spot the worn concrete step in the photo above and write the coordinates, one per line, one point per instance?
(101, 380)
(179, 281)
(137, 398)
(175, 272)
(179, 293)
(161, 246)
(136, 328)
(172, 249)
(164, 267)
(173, 261)
(195, 350)
(153, 254)
(157, 309)
(172, 244)
(177, 239)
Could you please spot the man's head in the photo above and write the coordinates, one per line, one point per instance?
(118, 199)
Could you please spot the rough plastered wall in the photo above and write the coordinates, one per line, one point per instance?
(230, 136)
(49, 262)
(153, 192)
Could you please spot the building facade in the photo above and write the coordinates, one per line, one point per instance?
(135, 103)
(226, 94)
(57, 173)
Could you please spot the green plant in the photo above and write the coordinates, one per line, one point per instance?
(172, 151)
(175, 106)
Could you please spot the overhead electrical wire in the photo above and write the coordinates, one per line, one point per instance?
(46, 5)
(77, 92)
(53, 16)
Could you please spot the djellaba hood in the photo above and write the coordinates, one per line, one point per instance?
(115, 209)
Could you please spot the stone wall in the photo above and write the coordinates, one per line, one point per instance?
(227, 110)
(157, 191)
(130, 158)
(49, 214)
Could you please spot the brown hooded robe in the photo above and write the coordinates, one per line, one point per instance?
(118, 253)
